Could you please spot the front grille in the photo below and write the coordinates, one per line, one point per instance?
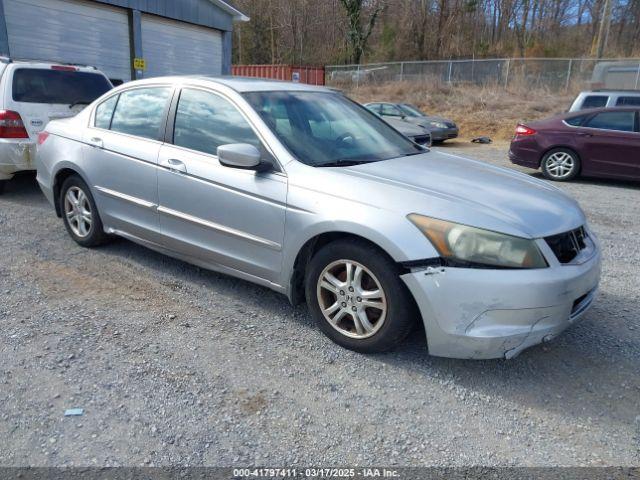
(568, 245)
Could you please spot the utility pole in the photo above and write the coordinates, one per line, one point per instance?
(603, 31)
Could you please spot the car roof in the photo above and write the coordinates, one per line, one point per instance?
(239, 84)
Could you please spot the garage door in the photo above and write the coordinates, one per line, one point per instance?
(177, 48)
(70, 31)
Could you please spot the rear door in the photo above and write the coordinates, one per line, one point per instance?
(611, 144)
(121, 155)
(41, 94)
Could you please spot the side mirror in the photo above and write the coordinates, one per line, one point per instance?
(240, 155)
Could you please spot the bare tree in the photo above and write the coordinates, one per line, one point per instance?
(360, 28)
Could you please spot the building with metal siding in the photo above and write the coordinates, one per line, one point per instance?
(127, 39)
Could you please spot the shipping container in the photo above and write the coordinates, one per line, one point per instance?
(312, 75)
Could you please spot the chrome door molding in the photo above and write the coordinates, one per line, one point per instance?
(123, 196)
(229, 189)
(220, 228)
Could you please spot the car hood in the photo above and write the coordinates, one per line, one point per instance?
(466, 191)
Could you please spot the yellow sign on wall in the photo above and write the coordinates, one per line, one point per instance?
(139, 64)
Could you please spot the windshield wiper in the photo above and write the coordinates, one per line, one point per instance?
(344, 162)
(79, 102)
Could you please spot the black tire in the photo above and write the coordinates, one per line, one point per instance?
(95, 233)
(559, 175)
(3, 184)
(401, 313)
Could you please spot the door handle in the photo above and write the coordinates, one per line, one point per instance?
(176, 166)
(96, 142)
(584, 134)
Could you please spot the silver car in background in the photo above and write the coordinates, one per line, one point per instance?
(418, 134)
(299, 189)
(441, 129)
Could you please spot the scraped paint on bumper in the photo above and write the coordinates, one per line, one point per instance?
(484, 313)
(16, 155)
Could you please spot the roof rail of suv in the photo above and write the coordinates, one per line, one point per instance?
(4, 59)
(627, 90)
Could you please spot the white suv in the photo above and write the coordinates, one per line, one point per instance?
(605, 99)
(32, 94)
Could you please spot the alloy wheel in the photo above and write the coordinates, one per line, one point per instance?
(77, 209)
(351, 299)
(560, 164)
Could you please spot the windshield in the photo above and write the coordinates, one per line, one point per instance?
(39, 85)
(327, 128)
(410, 110)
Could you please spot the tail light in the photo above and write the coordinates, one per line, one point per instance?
(42, 136)
(11, 125)
(524, 130)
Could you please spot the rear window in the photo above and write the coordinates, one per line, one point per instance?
(38, 85)
(633, 101)
(575, 121)
(595, 101)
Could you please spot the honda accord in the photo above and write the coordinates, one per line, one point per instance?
(299, 189)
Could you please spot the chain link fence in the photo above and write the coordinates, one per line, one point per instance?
(553, 74)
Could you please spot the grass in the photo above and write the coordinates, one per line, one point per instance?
(478, 110)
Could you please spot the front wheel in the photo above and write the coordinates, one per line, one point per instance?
(3, 184)
(80, 214)
(561, 164)
(357, 298)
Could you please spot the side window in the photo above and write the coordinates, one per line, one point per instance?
(595, 101)
(575, 121)
(204, 121)
(375, 108)
(633, 101)
(140, 112)
(390, 110)
(623, 121)
(104, 112)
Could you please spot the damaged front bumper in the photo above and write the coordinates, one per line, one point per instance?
(16, 155)
(486, 313)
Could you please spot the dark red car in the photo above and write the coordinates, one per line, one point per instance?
(595, 143)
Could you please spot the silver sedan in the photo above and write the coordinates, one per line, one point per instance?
(302, 190)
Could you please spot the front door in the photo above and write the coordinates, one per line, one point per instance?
(225, 216)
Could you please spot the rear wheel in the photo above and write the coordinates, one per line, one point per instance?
(80, 214)
(561, 164)
(357, 298)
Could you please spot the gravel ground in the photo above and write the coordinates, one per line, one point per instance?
(176, 365)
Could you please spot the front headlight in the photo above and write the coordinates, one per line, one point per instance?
(476, 246)
(437, 125)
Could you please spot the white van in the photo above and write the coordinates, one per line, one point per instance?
(31, 94)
